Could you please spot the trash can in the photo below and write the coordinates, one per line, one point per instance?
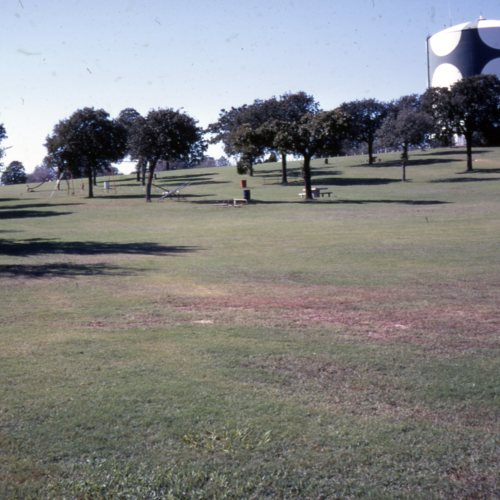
(243, 183)
(246, 194)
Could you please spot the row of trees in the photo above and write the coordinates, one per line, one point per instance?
(295, 124)
(89, 141)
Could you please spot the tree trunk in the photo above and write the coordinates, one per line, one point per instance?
(152, 166)
(468, 145)
(284, 178)
(143, 172)
(370, 152)
(306, 169)
(404, 154)
(90, 177)
(404, 161)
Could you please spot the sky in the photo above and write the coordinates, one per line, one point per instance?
(201, 56)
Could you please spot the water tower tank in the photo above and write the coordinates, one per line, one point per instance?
(464, 50)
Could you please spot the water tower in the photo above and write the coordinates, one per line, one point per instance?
(463, 50)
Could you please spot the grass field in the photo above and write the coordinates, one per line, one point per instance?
(343, 348)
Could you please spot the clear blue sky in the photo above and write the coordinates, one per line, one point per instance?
(204, 55)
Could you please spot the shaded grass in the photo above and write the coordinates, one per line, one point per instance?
(344, 348)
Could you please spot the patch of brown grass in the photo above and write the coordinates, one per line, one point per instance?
(428, 319)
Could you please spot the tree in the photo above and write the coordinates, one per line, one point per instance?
(240, 130)
(130, 118)
(436, 103)
(405, 125)
(222, 162)
(165, 134)
(43, 172)
(287, 110)
(87, 143)
(14, 173)
(251, 143)
(474, 105)
(365, 117)
(249, 130)
(469, 108)
(3, 135)
(315, 133)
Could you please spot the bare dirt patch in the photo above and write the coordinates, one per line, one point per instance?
(437, 319)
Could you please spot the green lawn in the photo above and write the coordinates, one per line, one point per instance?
(347, 347)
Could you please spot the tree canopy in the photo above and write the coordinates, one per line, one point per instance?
(165, 134)
(314, 134)
(87, 142)
(3, 135)
(288, 109)
(474, 105)
(14, 173)
(130, 118)
(436, 103)
(43, 172)
(405, 125)
(242, 132)
(365, 119)
(249, 131)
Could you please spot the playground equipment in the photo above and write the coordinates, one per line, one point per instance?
(174, 193)
(32, 189)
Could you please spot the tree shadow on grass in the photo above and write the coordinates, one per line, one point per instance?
(68, 270)
(3, 200)
(120, 196)
(413, 162)
(457, 152)
(352, 181)
(28, 214)
(318, 173)
(485, 171)
(191, 180)
(171, 183)
(36, 246)
(465, 179)
(187, 177)
(334, 201)
(397, 202)
(23, 206)
(154, 197)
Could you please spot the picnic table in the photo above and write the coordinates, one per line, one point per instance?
(317, 192)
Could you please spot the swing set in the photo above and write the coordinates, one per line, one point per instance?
(65, 175)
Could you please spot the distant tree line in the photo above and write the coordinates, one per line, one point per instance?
(88, 142)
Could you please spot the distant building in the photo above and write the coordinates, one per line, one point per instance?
(463, 50)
